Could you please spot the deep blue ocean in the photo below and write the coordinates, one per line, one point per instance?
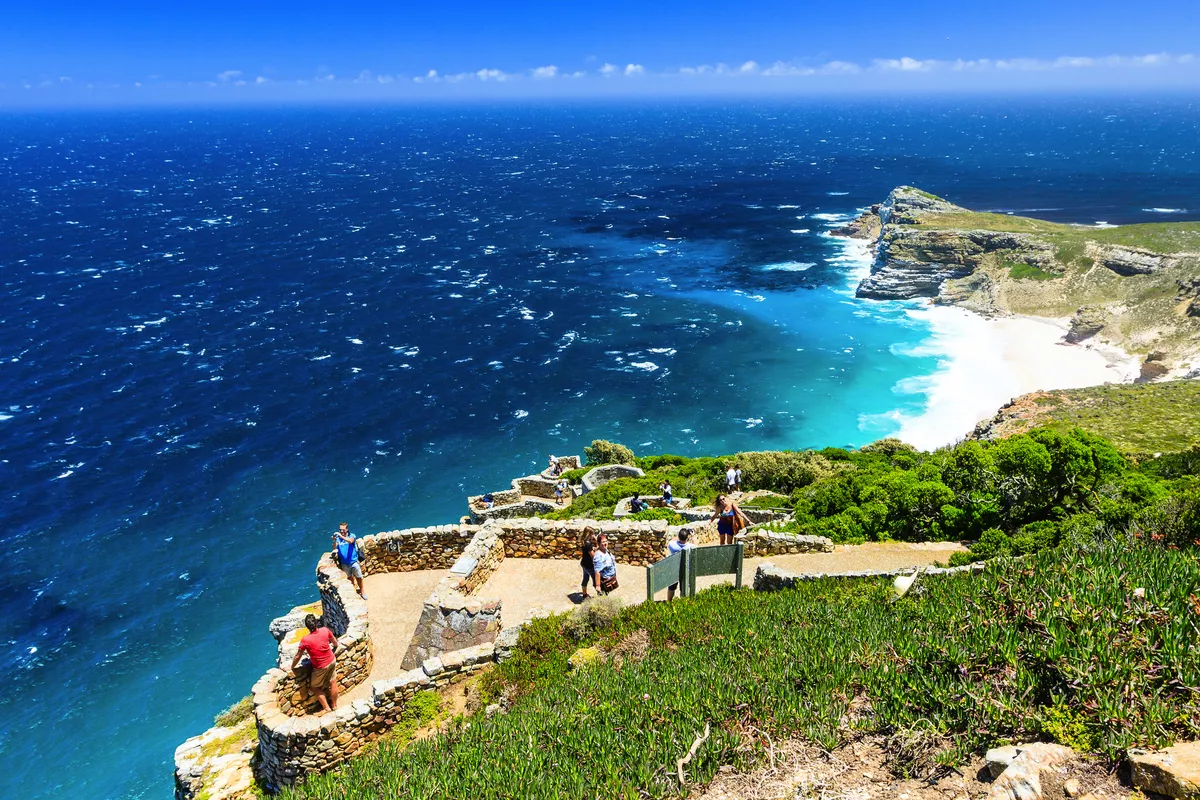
(223, 331)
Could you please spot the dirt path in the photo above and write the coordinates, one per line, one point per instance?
(393, 607)
(523, 584)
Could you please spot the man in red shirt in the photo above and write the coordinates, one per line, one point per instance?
(320, 645)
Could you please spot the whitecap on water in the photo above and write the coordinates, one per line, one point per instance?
(664, 351)
(1165, 210)
(520, 413)
(800, 230)
(648, 366)
(790, 266)
(355, 341)
(752, 422)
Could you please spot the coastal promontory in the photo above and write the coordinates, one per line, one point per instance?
(1133, 286)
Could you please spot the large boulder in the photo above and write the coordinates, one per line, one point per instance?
(1174, 772)
(1031, 769)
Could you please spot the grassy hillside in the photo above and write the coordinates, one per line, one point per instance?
(1059, 647)
(1138, 419)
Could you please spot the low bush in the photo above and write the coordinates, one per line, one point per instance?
(602, 451)
(1059, 646)
(671, 516)
(592, 617)
(239, 711)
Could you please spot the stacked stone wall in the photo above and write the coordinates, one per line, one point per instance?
(526, 508)
(769, 543)
(631, 542)
(344, 613)
(436, 547)
(453, 617)
(536, 486)
(293, 747)
(599, 476)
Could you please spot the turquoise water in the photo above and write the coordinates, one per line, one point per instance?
(223, 332)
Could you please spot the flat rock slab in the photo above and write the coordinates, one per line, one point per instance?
(1034, 766)
(1174, 772)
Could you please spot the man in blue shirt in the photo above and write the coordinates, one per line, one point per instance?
(679, 545)
(345, 550)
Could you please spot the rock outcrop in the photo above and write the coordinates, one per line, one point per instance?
(1114, 287)
(1174, 772)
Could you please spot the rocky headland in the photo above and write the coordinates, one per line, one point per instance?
(1135, 287)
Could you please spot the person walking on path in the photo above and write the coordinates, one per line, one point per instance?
(320, 646)
(677, 546)
(730, 478)
(606, 565)
(560, 489)
(737, 478)
(729, 518)
(345, 550)
(587, 561)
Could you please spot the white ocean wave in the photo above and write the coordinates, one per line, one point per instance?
(800, 230)
(355, 341)
(1165, 210)
(752, 422)
(662, 351)
(520, 413)
(786, 207)
(832, 217)
(648, 366)
(837, 194)
(790, 266)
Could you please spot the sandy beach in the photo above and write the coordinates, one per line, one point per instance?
(984, 363)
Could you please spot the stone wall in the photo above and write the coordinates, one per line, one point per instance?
(536, 486)
(292, 747)
(677, 503)
(526, 508)
(344, 613)
(632, 542)
(771, 543)
(599, 476)
(453, 617)
(501, 498)
(437, 547)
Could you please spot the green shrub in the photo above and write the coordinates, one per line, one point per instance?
(782, 471)
(594, 615)
(669, 515)
(239, 711)
(574, 476)
(888, 447)
(992, 544)
(602, 451)
(649, 463)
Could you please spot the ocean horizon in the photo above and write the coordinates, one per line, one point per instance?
(226, 330)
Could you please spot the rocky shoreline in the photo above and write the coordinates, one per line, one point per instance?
(1133, 298)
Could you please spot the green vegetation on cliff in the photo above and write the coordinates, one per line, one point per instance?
(1137, 286)
(1139, 419)
(1012, 496)
(1097, 646)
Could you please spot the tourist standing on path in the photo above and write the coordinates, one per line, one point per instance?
(320, 645)
(587, 561)
(667, 496)
(345, 550)
(606, 565)
(678, 546)
(560, 489)
(730, 478)
(737, 478)
(729, 518)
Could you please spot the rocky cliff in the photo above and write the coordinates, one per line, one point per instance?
(1135, 286)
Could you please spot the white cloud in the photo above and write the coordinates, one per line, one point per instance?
(749, 68)
(634, 69)
(609, 69)
(261, 79)
(545, 73)
(904, 64)
(229, 74)
(492, 75)
(429, 77)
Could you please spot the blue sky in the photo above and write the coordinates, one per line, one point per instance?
(80, 53)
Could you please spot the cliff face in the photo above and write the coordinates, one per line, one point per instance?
(1134, 286)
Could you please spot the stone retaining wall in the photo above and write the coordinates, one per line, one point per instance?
(292, 747)
(632, 542)
(344, 613)
(599, 476)
(526, 508)
(452, 617)
(536, 486)
(770, 543)
(770, 578)
(436, 547)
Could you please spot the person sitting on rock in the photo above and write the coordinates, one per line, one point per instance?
(667, 497)
(345, 550)
(637, 505)
(487, 501)
(320, 646)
